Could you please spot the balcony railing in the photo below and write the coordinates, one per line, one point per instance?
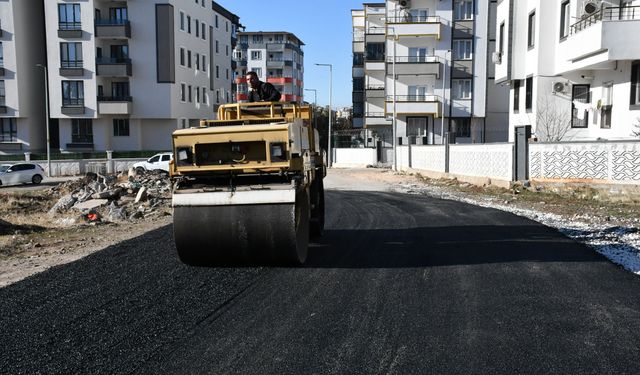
(413, 19)
(607, 14)
(115, 99)
(71, 64)
(414, 59)
(375, 87)
(72, 102)
(374, 114)
(375, 30)
(70, 26)
(82, 138)
(111, 22)
(414, 98)
(113, 60)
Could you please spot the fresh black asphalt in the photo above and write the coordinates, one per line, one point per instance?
(399, 284)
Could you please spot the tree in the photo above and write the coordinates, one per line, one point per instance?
(552, 122)
(636, 132)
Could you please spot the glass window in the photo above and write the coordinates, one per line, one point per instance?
(73, 93)
(1, 55)
(419, 15)
(461, 126)
(204, 28)
(119, 15)
(2, 93)
(182, 21)
(257, 39)
(81, 131)
(463, 10)
(531, 34)
(635, 83)
(183, 92)
(418, 93)
(461, 89)
(462, 49)
(528, 99)
(8, 129)
(120, 127)
(417, 54)
(189, 24)
(579, 113)
(516, 95)
(375, 51)
(197, 28)
(69, 17)
(565, 18)
(71, 55)
(256, 55)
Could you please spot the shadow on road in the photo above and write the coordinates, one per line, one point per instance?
(445, 246)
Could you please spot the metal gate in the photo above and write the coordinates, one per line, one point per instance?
(521, 155)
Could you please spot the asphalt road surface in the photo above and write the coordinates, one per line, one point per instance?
(399, 284)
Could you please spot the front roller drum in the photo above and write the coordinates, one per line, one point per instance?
(212, 235)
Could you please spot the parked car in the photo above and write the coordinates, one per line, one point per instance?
(21, 173)
(157, 161)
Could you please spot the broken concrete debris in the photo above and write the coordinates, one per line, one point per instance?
(130, 195)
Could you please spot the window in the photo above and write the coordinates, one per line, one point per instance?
(197, 28)
(579, 113)
(226, 48)
(1, 56)
(182, 21)
(419, 15)
(257, 39)
(120, 127)
(358, 59)
(2, 94)
(72, 93)
(217, 71)
(217, 96)
(197, 94)
(216, 21)
(256, 55)
(417, 54)
(189, 24)
(197, 60)
(189, 92)
(358, 84)
(531, 33)
(635, 83)
(565, 18)
(183, 92)
(8, 129)
(516, 95)
(70, 55)
(181, 56)
(528, 94)
(461, 126)
(463, 10)
(217, 47)
(461, 89)
(226, 26)
(204, 95)
(119, 15)
(227, 75)
(375, 51)
(81, 131)
(69, 17)
(188, 59)
(203, 33)
(462, 49)
(418, 93)
(120, 90)
(204, 63)
(258, 71)
(501, 40)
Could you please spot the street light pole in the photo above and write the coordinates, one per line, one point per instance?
(330, 109)
(315, 104)
(444, 80)
(46, 99)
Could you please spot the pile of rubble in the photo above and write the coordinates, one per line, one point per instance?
(127, 196)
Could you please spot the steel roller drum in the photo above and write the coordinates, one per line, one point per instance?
(254, 227)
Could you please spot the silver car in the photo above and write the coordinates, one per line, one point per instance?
(21, 173)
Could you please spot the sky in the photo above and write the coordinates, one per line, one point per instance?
(325, 28)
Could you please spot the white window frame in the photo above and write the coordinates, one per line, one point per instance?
(461, 89)
(463, 49)
(463, 10)
(256, 55)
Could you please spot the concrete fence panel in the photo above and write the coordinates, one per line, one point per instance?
(615, 162)
(354, 157)
(494, 160)
(429, 158)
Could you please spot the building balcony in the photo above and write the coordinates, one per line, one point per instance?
(600, 38)
(278, 63)
(70, 30)
(241, 62)
(415, 65)
(375, 118)
(113, 67)
(279, 80)
(374, 92)
(72, 68)
(280, 47)
(114, 105)
(375, 35)
(414, 105)
(414, 26)
(374, 64)
(358, 46)
(113, 29)
(72, 107)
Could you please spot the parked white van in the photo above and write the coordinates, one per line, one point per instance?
(157, 161)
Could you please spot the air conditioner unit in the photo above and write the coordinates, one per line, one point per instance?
(496, 57)
(405, 3)
(590, 7)
(560, 87)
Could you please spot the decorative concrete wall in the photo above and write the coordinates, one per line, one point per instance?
(431, 158)
(482, 160)
(617, 162)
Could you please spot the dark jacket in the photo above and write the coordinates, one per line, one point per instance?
(265, 93)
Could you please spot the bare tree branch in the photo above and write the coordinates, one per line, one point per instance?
(552, 123)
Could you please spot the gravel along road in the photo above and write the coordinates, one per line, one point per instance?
(399, 284)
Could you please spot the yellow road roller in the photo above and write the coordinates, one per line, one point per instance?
(247, 188)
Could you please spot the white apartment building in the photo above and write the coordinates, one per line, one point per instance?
(573, 67)
(22, 83)
(428, 62)
(276, 57)
(124, 74)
